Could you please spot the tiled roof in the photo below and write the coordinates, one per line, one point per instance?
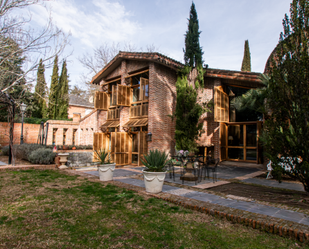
(233, 75)
(78, 101)
(155, 57)
(173, 64)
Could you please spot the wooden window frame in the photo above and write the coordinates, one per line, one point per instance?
(221, 105)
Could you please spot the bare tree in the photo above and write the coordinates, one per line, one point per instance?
(18, 41)
(101, 56)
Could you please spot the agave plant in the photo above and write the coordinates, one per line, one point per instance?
(102, 155)
(155, 161)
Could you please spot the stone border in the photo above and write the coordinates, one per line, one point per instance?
(25, 167)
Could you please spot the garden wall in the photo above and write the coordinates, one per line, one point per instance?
(80, 158)
(31, 132)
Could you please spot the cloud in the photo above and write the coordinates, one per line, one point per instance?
(92, 23)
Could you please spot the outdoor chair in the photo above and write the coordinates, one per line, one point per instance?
(202, 169)
(171, 170)
(212, 165)
(191, 169)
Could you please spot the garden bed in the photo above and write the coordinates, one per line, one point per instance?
(290, 198)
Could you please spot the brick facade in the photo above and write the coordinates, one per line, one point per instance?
(162, 95)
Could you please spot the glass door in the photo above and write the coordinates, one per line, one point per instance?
(242, 142)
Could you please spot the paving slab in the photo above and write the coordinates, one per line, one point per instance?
(276, 184)
(249, 206)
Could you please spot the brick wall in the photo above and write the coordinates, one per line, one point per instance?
(84, 130)
(162, 99)
(30, 133)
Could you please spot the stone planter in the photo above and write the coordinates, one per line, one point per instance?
(63, 160)
(154, 181)
(106, 171)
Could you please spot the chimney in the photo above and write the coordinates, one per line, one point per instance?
(76, 117)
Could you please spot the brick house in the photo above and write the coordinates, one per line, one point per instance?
(138, 93)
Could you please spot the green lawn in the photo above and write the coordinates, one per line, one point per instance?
(49, 209)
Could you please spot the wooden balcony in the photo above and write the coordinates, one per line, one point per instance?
(113, 114)
(139, 110)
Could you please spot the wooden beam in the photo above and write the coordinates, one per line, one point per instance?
(134, 74)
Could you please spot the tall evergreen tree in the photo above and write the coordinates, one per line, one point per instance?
(63, 99)
(287, 125)
(40, 93)
(54, 92)
(193, 52)
(246, 62)
(188, 110)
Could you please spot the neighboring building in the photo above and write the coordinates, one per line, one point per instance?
(80, 130)
(138, 95)
(80, 105)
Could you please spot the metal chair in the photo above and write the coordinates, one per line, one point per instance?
(170, 168)
(203, 170)
(212, 165)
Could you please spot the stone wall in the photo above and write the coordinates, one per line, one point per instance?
(77, 159)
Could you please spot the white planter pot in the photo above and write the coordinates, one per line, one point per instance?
(154, 181)
(106, 171)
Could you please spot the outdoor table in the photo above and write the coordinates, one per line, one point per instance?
(189, 164)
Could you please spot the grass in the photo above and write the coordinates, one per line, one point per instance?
(49, 209)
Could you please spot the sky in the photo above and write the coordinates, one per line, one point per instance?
(224, 26)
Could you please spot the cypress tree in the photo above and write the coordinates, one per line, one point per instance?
(193, 52)
(246, 62)
(63, 103)
(188, 110)
(54, 92)
(40, 93)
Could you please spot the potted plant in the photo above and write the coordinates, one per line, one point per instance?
(154, 174)
(105, 168)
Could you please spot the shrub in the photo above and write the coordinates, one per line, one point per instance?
(5, 150)
(102, 155)
(42, 156)
(155, 161)
(23, 151)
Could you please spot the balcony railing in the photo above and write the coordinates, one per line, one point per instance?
(113, 114)
(139, 110)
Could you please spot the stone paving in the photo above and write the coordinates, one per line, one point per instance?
(124, 176)
(2, 163)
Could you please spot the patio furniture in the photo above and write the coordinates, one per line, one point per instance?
(170, 168)
(212, 165)
(191, 169)
(203, 169)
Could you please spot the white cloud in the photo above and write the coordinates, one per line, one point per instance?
(107, 21)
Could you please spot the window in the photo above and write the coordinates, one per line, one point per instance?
(221, 108)
(64, 136)
(140, 85)
(243, 115)
(74, 137)
(112, 91)
(54, 136)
